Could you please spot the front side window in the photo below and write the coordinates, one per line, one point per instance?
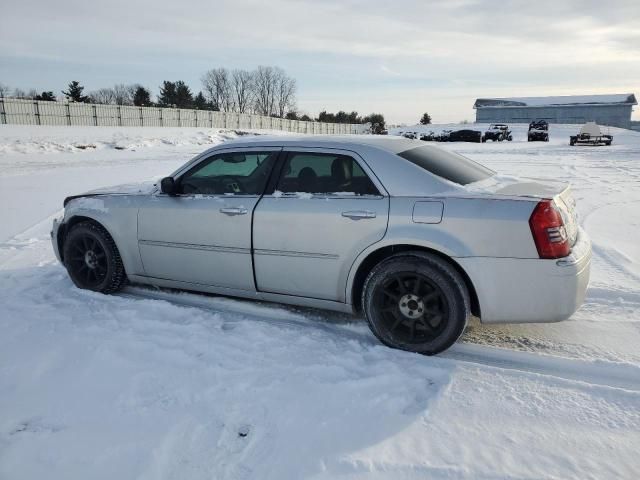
(324, 173)
(236, 173)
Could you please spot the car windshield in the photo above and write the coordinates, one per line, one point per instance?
(448, 165)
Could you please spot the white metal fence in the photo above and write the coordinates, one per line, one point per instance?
(32, 112)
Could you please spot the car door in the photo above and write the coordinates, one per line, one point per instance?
(202, 235)
(325, 209)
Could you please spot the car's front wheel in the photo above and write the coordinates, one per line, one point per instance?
(416, 302)
(92, 258)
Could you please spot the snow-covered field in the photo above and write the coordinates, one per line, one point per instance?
(156, 385)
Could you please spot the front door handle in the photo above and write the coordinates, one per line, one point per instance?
(359, 214)
(234, 211)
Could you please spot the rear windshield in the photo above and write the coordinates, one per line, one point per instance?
(449, 165)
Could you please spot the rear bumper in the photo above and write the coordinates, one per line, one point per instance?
(512, 290)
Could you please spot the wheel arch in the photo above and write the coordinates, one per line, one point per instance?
(74, 220)
(377, 256)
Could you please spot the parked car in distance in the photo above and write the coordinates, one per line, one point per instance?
(498, 132)
(538, 131)
(403, 232)
(466, 136)
(590, 134)
(443, 136)
(428, 137)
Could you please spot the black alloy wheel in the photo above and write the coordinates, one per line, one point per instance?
(416, 301)
(413, 307)
(92, 258)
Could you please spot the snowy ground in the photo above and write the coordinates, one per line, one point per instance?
(156, 385)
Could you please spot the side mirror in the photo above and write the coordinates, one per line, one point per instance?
(168, 185)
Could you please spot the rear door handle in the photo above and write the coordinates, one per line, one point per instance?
(234, 211)
(359, 214)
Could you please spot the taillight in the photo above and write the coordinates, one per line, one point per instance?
(548, 231)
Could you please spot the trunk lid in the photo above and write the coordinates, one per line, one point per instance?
(514, 187)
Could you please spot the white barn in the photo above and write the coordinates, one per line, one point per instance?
(613, 110)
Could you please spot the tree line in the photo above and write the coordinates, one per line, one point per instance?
(266, 90)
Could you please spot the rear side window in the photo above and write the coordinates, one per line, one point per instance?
(448, 165)
(324, 173)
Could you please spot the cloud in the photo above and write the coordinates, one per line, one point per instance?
(340, 49)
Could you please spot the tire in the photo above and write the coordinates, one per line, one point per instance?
(92, 258)
(420, 284)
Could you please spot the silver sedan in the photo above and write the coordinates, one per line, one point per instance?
(416, 238)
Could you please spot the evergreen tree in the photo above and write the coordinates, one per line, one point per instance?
(74, 92)
(326, 117)
(306, 118)
(184, 98)
(342, 117)
(167, 95)
(176, 94)
(426, 119)
(141, 97)
(291, 116)
(46, 97)
(377, 122)
(200, 103)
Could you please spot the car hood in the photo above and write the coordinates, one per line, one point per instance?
(144, 188)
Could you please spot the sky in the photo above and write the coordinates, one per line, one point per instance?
(400, 58)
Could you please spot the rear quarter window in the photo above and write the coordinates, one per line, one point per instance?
(448, 165)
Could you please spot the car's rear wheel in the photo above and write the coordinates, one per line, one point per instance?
(92, 258)
(416, 302)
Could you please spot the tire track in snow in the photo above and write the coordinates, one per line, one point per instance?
(600, 373)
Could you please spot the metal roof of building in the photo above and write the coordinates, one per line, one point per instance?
(561, 101)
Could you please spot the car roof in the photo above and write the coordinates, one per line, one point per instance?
(389, 143)
(399, 177)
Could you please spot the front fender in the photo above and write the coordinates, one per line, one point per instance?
(118, 214)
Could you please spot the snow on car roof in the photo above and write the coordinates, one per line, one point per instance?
(617, 98)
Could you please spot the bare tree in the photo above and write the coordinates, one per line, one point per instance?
(123, 94)
(265, 90)
(274, 91)
(19, 93)
(120, 94)
(217, 85)
(104, 96)
(242, 89)
(285, 93)
(4, 90)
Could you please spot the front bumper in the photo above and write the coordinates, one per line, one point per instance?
(55, 229)
(515, 290)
